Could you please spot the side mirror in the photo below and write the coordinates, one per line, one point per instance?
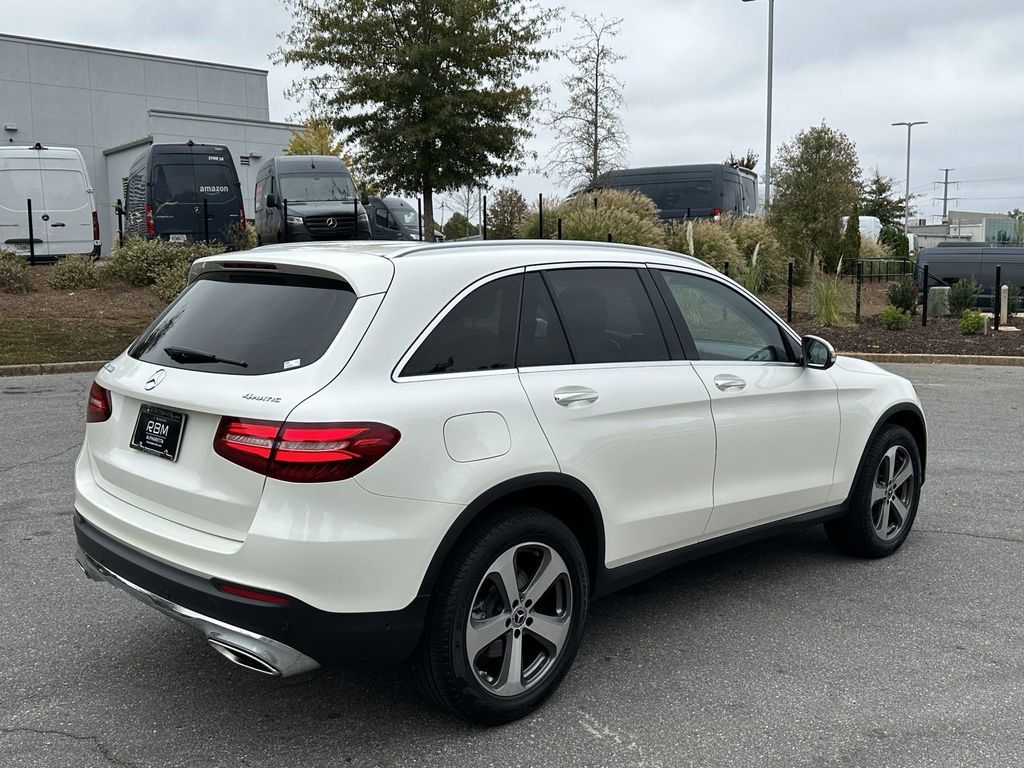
(271, 200)
(818, 353)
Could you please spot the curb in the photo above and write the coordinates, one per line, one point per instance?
(885, 357)
(36, 369)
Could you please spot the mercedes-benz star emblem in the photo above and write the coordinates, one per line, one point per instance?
(332, 223)
(155, 379)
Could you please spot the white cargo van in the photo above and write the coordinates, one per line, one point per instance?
(63, 208)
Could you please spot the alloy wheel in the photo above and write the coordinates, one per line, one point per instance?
(520, 619)
(892, 493)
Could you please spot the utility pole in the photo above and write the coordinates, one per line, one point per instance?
(945, 192)
(768, 127)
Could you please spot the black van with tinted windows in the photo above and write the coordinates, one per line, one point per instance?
(307, 197)
(691, 191)
(184, 193)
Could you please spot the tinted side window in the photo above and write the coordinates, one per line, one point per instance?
(724, 324)
(479, 334)
(607, 315)
(541, 337)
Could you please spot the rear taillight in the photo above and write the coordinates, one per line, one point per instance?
(98, 407)
(241, 217)
(95, 228)
(150, 224)
(304, 453)
(716, 214)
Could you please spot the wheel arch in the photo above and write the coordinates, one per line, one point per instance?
(910, 417)
(564, 496)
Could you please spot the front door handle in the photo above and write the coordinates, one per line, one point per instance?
(729, 383)
(575, 397)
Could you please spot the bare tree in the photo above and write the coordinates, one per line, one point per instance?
(465, 200)
(748, 161)
(590, 138)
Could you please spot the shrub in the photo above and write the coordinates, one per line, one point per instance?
(902, 294)
(972, 322)
(628, 217)
(74, 273)
(140, 262)
(14, 274)
(761, 250)
(171, 279)
(506, 214)
(962, 295)
(872, 249)
(712, 243)
(829, 300)
(237, 238)
(894, 318)
(530, 226)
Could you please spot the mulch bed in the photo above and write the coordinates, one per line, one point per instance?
(940, 337)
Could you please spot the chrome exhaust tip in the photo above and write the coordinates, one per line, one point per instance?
(242, 657)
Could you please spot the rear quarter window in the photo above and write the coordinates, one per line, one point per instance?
(269, 322)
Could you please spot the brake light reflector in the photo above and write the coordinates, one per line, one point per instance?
(304, 453)
(95, 228)
(98, 406)
(716, 214)
(241, 218)
(252, 594)
(150, 224)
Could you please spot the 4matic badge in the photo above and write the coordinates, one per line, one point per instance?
(261, 398)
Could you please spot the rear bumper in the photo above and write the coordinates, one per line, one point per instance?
(290, 638)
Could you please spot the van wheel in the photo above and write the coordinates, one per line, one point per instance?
(506, 618)
(883, 502)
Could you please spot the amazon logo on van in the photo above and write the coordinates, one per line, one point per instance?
(214, 189)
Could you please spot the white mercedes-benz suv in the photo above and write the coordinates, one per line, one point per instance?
(332, 452)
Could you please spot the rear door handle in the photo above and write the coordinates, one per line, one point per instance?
(57, 224)
(575, 397)
(729, 383)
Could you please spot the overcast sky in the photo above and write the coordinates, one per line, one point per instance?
(695, 71)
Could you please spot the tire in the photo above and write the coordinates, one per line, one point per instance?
(882, 509)
(469, 607)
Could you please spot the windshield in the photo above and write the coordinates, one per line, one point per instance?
(406, 218)
(315, 187)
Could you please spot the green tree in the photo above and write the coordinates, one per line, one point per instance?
(505, 216)
(590, 138)
(893, 238)
(878, 199)
(816, 181)
(429, 91)
(458, 226)
(851, 241)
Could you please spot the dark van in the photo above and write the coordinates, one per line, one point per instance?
(392, 218)
(184, 193)
(691, 191)
(948, 263)
(307, 197)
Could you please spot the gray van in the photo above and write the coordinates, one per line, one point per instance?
(949, 263)
(307, 197)
(691, 191)
(392, 218)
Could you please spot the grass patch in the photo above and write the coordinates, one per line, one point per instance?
(39, 340)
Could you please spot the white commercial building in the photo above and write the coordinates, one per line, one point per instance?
(112, 104)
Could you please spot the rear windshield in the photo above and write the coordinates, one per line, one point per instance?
(188, 184)
(268, 322)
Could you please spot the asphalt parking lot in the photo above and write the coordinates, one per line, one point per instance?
(781, 653)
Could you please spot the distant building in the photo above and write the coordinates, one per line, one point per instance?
(112, 104)
(994, 229)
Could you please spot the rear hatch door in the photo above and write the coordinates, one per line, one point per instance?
(68, 206)
(294, 332)
(20, 181)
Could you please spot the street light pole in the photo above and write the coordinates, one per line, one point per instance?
(906, 207)
(768, 129)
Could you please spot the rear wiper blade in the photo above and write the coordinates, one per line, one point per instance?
(185, 355)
